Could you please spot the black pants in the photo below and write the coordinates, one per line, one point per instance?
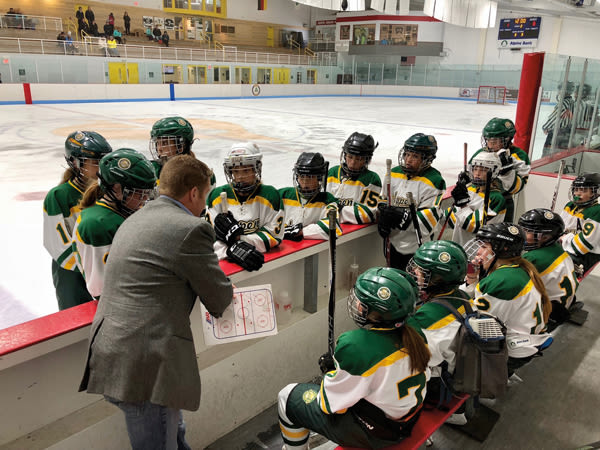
(516, 363)
(398, 260)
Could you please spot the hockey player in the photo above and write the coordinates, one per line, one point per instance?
(413, 174)
(510, 288)
(355, 186)
(254, 221)
(83, 150)
(305, 205)
(543, 228)
(126, 180)
(581, 216)
(172, 136)
(497, 137)
(467, 215)
(373, 388)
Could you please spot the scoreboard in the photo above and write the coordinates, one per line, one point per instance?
(519, 32)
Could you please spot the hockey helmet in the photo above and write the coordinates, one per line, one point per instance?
(309, 167)
(542, 227)
(569, 89)
(243, 155)
(382, 296)
(171, 136)
(503, 129)
(507, 239)
(589, 182)
(360, 146)
(423, 144)
(490, 161)
(438, 266)
(82, 145)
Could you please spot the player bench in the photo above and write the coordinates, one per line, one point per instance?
(428, 423)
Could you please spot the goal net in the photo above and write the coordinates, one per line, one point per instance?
(492, 94)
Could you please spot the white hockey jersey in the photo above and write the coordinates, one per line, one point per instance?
(311, 214)
(358, 198)
(515, 179)
(259, 215)
(427, 189)
(583, 229)
(509, 294)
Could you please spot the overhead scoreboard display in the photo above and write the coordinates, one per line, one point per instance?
(519, 32)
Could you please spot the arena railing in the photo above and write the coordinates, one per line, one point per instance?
(28, 22)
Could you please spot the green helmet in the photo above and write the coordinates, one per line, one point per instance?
(389, 293)
(438, 266)
(130, 169)
(80, 145)
(423, 144)
(173, 131)
(498, 128)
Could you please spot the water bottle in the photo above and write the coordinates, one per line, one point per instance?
(352, 274)
(283, 307)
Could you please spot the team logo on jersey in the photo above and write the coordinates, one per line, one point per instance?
(444, 257)
(549, 215)
(249, 226)
(513, 230)
(309, 396)
(383, 293)
(401, 201)
(345, 202)
(124, 163)
(181, 122)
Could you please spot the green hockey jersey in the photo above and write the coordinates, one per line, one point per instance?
(357, 198)
(93, 235)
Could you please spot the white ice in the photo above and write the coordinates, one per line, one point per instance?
(31, 156)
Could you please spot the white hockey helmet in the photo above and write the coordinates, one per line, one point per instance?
(243, 154)
(490, 161)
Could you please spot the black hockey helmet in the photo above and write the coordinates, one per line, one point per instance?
(544, 225)
(310, 165)
(361, 145)
(585, 181)
(507, 239)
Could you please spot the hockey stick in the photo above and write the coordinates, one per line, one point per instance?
(559, 177)
(486, 197)
(388, 187)
(331, 311)
(413, 215)
(464, 170)
(224, 203)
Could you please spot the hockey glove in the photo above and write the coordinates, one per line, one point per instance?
(293, 232)
(392, 217)
(326, 363)
(245, 255)
(464, 178)
(506, 160)
(227, 228)
(460, 194)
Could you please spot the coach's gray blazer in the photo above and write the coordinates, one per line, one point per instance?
(141, 345)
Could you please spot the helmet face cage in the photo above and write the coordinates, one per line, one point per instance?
(312, 189)
(84, 168)
(535, 238)
(477, 253)
(134, 198)
(239, 162)
(363, 159)
(504, 140)
(421, 276)
(492, 170)
(426, 159)
(593, 190)
(357, 310)
(164, 147)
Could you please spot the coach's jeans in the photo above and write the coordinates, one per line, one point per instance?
(153, 427)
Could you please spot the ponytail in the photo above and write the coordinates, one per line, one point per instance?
(533, 273)
(91, 194)
(68, 174)
(416, 348)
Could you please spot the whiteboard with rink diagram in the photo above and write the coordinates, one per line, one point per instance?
(250, 315)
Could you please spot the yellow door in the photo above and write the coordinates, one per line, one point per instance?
(133, 76)
(270, 40)
(285, 76)
(117, 73)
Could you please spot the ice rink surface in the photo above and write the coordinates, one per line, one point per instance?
(32, 156)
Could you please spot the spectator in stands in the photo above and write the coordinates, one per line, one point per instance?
(108, 31)
(157, 33)
(127, 21)
(165, 38)
(111, 43)
(94, 29)
(103, 45)
(111, 22)
(118, 36)
(69, 44)
(10, 17)
(149, 34)
(89, 15)
(80, 16)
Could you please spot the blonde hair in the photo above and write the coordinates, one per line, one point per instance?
(416, 348)
(182, 173)
(91, 194)
(536, 278)
(67, 175)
